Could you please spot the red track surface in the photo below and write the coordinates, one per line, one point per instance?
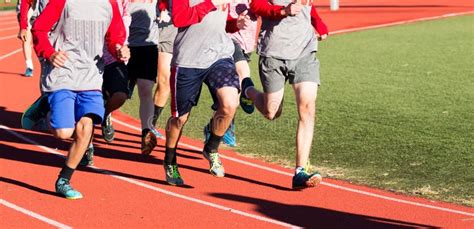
(137, 195)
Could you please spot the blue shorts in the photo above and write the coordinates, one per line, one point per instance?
(68, 107)
(186, 84)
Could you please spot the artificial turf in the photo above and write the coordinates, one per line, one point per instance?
(395, 111)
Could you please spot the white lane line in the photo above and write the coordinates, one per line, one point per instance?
(323, 183)
(8, 37)
(9, 54)
(141, 184)
(400, 22)
(9, 28)
(33, 214)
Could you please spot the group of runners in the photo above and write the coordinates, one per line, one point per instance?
(94, 53)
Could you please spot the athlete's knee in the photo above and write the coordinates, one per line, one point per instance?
(273, 110)
(63, 134)
(84, 128)
(272, 115)
(229, 106)
(307, 111)
(120, 97)
(163, 80)
(177, 122)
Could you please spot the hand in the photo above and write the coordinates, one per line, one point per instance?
(305, 2)
(164, 17)
(22, 35)
(243, 21)
(322, 37)
(220, 2)
(292, 9)
(123, 52)
(58, 59)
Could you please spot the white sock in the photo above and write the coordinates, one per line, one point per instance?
(29, 64)
(298, 169)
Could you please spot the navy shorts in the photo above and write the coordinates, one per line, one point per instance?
(68, 107)
(186, 84)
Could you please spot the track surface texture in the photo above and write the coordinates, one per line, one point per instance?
(127, 189)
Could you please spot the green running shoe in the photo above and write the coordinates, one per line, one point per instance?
(108, 131)
(88, 158)
(172, 175)
(303, 180)
(37, 111)
(216, 167)
(65, 189)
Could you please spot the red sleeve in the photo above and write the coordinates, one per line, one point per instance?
(25, 6)
(265, 9)
(116, 33)
(163, 5)
(43, 24)
(318, 23)
(231, 26)
(183, 15)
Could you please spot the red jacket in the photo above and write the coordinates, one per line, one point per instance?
(183, 15)
(116, 32)
(25, 6)
(265, 9)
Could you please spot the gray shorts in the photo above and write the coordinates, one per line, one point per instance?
(275, 72)
(167, 34)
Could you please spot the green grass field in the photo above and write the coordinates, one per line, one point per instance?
(395, 111)
(7, 5)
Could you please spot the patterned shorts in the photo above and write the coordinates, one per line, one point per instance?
(186, 84)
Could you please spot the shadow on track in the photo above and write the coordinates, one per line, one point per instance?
(315, 217)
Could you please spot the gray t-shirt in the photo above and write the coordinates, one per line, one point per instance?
(201, 45)
(80, 32)
(143, 28)
(289, 37)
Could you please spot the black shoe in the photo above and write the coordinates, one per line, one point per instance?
(304, 180)
(245, 102)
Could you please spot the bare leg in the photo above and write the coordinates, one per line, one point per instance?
(174, 129)
(162, 92)
(269, 104)
(228, 102)
(306, 93)
(243, 69)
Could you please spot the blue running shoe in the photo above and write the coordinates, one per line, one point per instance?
(29, 72)
(157, 134)
(88, 158)
(303, 180)
(172, 175)
(229, 136)
(37, 111)
(65, 189)
(215, 164)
